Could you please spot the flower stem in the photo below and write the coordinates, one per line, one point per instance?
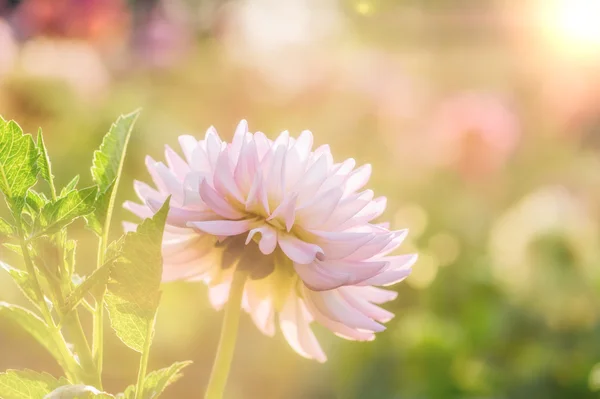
(98, 327)
(231, 320)
(139, 391)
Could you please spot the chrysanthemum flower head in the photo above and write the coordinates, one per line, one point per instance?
(290, 216)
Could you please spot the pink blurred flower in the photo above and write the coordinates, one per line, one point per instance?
(8, 48)
(475, 133)
(290, 216)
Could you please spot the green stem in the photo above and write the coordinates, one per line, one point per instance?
(67, 362)
(82, 348)
(98, 338)
(139, 390)
(231, 320)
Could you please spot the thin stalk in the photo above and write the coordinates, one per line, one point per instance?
(139, 390)
(82, 348)
(98, 338)
(231, 320)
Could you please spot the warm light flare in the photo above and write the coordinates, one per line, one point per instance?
(573, 25)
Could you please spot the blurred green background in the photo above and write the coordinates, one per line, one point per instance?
(481, 120)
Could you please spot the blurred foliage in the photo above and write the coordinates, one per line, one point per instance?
(504, 302)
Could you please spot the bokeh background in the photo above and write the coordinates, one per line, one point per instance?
(481, 119)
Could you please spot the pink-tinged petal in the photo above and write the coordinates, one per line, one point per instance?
(377, 245)
(387, 278)
(262, 313)
(311, 181)
(218, 294)
(169, 182)
(286, 211)
(247, 164)
(263, 144)
(199, 161)
(368, 309)
(373, 210)
(129, 227)
(144, 191)
(401, 262)
(373, 294)
(158, 182)
(223, 179)
(336, 327)
(327, 275)
(276, 181)
(239, 137)
(213, 146)
(332, 305)
(297, 331)
(188, 145)
(191, 191)
(257, 197)
(304, 144)
(177, 165)
(298, 250)
(138, 210)
(341, 249)
(179, 216)
(283, 140)
(349, 207)
(217, 203)
(268, 238)
(395, 243)
(318, 278)
(357, 179)
(295, 167)
(318, 211)
(223, 227)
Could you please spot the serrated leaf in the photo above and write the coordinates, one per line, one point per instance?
(157, 381)
(18, 165)
(98, 277)
(31, 323)
(70, 186)
(60, 213)
(44, 160)
(27, 384)
(95, 220)
(134, 285)
(77, 392)
(34, 202)
(107, 167)
(108, 160)
(23, 281)
(6, 230)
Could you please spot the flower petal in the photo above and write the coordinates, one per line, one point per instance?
(298, 250)
(223, 227)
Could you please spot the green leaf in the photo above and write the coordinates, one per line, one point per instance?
(6, 230)
(23, 281)
(34, 202)
(98, 277)
(18, 165)
(44, 161)
(157, 381)
(31, 323)
(56, 215)
(95, 220)
(27, 384)
(77, 392)
(107, 167)
(134, 285)
(70, 186)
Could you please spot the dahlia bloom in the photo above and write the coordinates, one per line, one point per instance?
(292, 218)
